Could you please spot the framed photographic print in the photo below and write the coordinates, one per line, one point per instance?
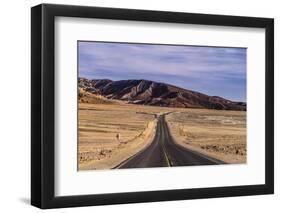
(139, 106)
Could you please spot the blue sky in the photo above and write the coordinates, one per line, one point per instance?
(210, 70)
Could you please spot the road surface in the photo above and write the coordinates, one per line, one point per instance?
(164, 152)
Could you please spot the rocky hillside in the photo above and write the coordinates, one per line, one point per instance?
(156, 94)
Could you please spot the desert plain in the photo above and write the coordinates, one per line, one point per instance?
(111, 132)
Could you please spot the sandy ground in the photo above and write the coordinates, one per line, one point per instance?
(111, 133)
(219, 134)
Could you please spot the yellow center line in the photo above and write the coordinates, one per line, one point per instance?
(163, 147)
(166, 156)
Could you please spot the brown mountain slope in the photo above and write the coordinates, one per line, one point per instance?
(156, 94)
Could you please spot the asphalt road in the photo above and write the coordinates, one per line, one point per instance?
(164, 152)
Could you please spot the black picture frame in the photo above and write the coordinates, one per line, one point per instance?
(43, 102)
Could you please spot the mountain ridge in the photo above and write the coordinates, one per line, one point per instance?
(153, 93)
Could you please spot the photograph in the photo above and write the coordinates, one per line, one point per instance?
(139, 105)
(160, 105)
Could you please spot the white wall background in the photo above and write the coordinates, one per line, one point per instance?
(15, 105)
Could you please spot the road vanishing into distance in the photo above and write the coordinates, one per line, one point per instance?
(164, 152)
